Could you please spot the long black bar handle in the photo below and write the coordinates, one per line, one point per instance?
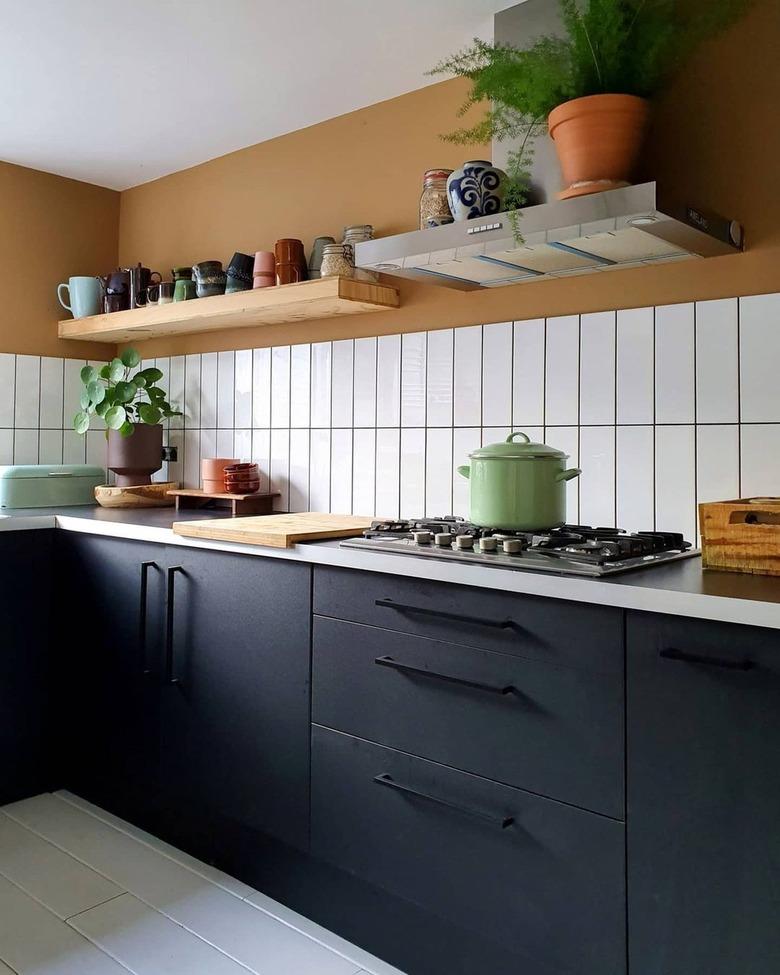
(672, 653)
(449, 678)
(505, 624)
(142, 614)
(169, 621)
(504, 822)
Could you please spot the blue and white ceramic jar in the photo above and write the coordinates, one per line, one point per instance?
(477, 189)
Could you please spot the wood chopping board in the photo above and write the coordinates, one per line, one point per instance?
(276, 531)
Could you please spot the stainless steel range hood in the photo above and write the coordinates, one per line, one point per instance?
(628, 227)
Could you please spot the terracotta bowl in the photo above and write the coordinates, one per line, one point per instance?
(242, 478)
(212, 473)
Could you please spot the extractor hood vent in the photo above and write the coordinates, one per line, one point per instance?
(621, 228)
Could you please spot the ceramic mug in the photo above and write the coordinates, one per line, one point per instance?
(264, 271)
(184, 289)
(212, 473)
(84, 294)
(160, 293)
(209, 278)
(239, 273)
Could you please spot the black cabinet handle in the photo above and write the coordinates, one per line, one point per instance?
(695, 658)
(505, 624)
(169, 620)
(145, 566)
(449, 678)
(387, 780)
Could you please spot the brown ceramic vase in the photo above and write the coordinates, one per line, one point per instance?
(598, 140)
(135, 458)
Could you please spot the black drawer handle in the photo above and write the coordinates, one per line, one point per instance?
(142, 614)
(441, 614)
(449, 678)
(384, 778)
(170, 678)
(695, 658)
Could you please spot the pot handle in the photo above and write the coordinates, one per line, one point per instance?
(464, 470)
(513, 436)
(568, 475)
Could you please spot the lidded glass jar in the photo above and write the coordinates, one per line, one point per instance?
(337, 260)
(434, 205)
(355, 234)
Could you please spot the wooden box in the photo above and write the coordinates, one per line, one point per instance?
(741, 535)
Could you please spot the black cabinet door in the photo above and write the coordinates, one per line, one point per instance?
(110, 611)
(703, 798)
(235, 720)
(25, 588)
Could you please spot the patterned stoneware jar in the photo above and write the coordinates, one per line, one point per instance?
(477, 189)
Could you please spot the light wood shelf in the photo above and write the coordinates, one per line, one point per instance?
(284, 304)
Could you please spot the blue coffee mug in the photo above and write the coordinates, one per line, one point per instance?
(84, 294)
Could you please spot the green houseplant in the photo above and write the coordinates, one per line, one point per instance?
(589, 86)
(132, 404)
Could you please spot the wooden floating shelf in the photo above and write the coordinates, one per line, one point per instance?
(282, 305)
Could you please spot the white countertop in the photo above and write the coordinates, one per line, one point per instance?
(681, 588)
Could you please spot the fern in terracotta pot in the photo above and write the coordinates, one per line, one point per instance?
(589, 87)
(132, 405)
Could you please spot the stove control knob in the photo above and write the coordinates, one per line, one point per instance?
(423, 538)
(513, 546)
(443, 539)
(488, 544)
(464, 542)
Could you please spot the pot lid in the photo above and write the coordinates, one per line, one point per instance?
(522, 451)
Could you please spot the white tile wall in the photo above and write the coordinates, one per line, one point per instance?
(661, 407)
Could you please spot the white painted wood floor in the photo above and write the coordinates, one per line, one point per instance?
(85, 893)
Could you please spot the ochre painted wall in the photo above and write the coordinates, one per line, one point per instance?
(51, 228)
(716, 139)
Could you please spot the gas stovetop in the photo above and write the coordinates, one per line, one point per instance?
(568, 550)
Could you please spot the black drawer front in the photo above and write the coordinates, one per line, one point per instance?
(574, 634)
(537, 877)
(553, 730)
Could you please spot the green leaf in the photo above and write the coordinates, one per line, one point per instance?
(116, 370)
(110, 396)
(150, 375)
(115, 417)
(88, 374)
(124, 392)
(81, 422)
(84, 399)
(105, 371)
(130, 358)
(156, 394)
(139, 380)
(97, 392)
(102, 408)
(127, 429)
(149, 414)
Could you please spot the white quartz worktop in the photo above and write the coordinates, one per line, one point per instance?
(681, 588)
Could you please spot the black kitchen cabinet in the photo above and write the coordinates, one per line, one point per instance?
(110, 595)
(235, 692)
(703, 797)
(25, 685)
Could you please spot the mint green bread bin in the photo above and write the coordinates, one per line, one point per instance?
(49, 485)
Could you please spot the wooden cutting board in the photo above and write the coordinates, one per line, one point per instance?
(277, 531)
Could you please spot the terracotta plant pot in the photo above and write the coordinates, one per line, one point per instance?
(135, 458)
(212, 473)
(598, 140)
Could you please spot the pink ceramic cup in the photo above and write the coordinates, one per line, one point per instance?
(212, 473)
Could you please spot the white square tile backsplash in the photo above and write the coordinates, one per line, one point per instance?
(647, 401)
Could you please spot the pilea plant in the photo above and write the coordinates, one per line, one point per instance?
(121, 397)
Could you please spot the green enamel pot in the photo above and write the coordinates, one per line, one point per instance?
(518, 486)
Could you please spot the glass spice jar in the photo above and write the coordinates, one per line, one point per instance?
(337, 260)
(434, 205)
(356, 234)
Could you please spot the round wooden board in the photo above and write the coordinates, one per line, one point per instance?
(138, 496)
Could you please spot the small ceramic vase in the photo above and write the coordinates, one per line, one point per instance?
(477, 189)
(209, 278)
(239, 273)
(290, 261)
(264, 271)
(317, 251)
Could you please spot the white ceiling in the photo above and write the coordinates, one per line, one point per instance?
(120, 93)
